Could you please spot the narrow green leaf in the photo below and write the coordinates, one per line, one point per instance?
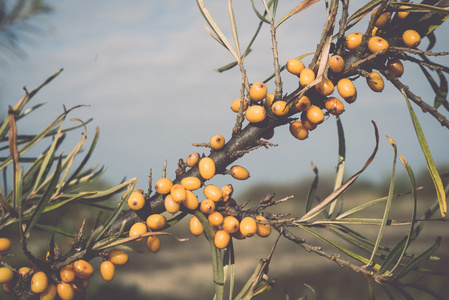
(234, 28)
(340, 162)
(387, 292)
(96, 234)
(401, 291)
(441, 94)
(259, 15)
(55, 229)
(229, 267)
(429, 159)
(312, 190)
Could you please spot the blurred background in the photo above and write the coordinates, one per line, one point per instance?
(145, 72)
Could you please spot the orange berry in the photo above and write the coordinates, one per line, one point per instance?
(212, 192)
(153, 243)
(83, 269)
(191, 183)
(137, 229)
(306, 123)
(39, 282)
(294, 66)
(217, 142)
(107, 270)
(195, 226)
(255, 114)
(5, 245)
(315, 115)
(334, 106)
(23, 271)
(280, 108)
(303, 103)
(67, 273)
(375, 82)
(353, 40)
(230, 224)
(382, 20)
(325, 87)
(191, 201)
(236, 105)
(258, 91)
(65, 291)
(6, 275)
(49, 293)
(136, 200)
(263, 230)
(178, 192)
(171, 205)
(298, 130)
(192, 159)
(163, 186)
(268, 100)
(248, 227)
(336, 63)
(306, 77)
(155, 222)
(222, 239)
(376, 43)
(411, 38)
(215, 218)
(403, 14)
(396, 67)
(239, 172)
(207, 206)
(347, 90)
(227, 191)
(207, 168)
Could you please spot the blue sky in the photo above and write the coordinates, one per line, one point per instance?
(146, 71)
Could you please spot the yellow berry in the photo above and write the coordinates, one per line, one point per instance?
(336, 63)
(178, 192)
(222, 239)
(212, 192)
(375, 82)
(137, 229)
(193, 159)
(230, 224)
(396, 67)
(303, 103)
(248, 227)
(39, 282)
(315, 114)
(191, 183)
(49, 293)
(347, 90)
(118, 257)
(6, 274)
(215, 218)
(5, 245)
(376, 44)
(207, 168)
(23, 271)
(411, 38)
(256, 114)
(294, 66)
(353, 40)
(403, 14)
(83, 269)
(306, 77)
(171, 205)
(239, 172)
(258, 91)
(163, 186)
(325, 87)
(280, 108)
(217, 142)
(207, 206)
(65, 291)
(263, 230)
(268, 100)
(306, 123)
(67, 273)
(235, 106)
(153, 243)
(227, 191)
(156, 222)
(136, 200)
(334, 106)
(8, 287)
(298, 130)
(191, 201)
(195, 226)
(382, 20)
(107, 270)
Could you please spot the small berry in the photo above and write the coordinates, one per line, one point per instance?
(258, 91)
(248, 227)
(207, 168)
(353, 40)
(298, 130)
(137, 229)
(217, 142)
(375, 82)
(315, 115)
(6, 274)
(306, 77)
(83, 269)
(191, 183)
(325, 87)
(280, 108)
(227, 191)
(255, 114)
(411, 38)
(268, 101)
(239, 172)
(403, 14)
(306, 123)
(396, 67)
(178, 192)
(195, 226)
(171, 205)
(222, 239)
(207, 206)
(67, 273)
(263, 230)
(5, 245)
(334, 106)
(376, 44)
(215, 218)
(65, 291)
(236, 105)
(212, 192)
(294, 66)
(193, 159)
(382, 20)
(136, 200)
(336, 63)
(23, 271)
(39, 282)
(107, 270)
(303, 103)
(163, 186)
(155, 222)
(153, 243)
(49, 293)
(191, 201)
(347, 90)
(230, 224)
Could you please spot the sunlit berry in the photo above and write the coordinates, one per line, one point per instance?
(258, 91)
(403, 14)
(396, 67)
(5, 245)
(303, 103)
(236, 105)
(178, 192)
(227, 191)
(191, 201)
(336, 63)
(191, 183)
(6, 275)
(353, 40)
(193, 159)
(255, 114)
(207, 168)
(136, 200)
(137, 229)
(347, 90)
(334, 106)
(195, 226)
(294, 66)
(156, 222)
(212, 192)
(375, 82)
(67, 273)
(315, 114)
(298, 131)
(215, 218)
(248, 227)
(280, 108)
(107, 270)
(263, 230)
(217, 142)
(306, 123)
(306, 77)
(49, 293)
(153, 243)
(171, 205)
(411, 38)
(163, 186)
(376, 44)
(83, 269)
(222, 239)
(118, 257)
(39, 282)
(65, 291)
(268, 101)
(207, 206)
(239, 172)
(231, 224)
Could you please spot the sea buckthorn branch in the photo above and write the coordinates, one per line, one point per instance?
(417, 51)
(428, 64)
